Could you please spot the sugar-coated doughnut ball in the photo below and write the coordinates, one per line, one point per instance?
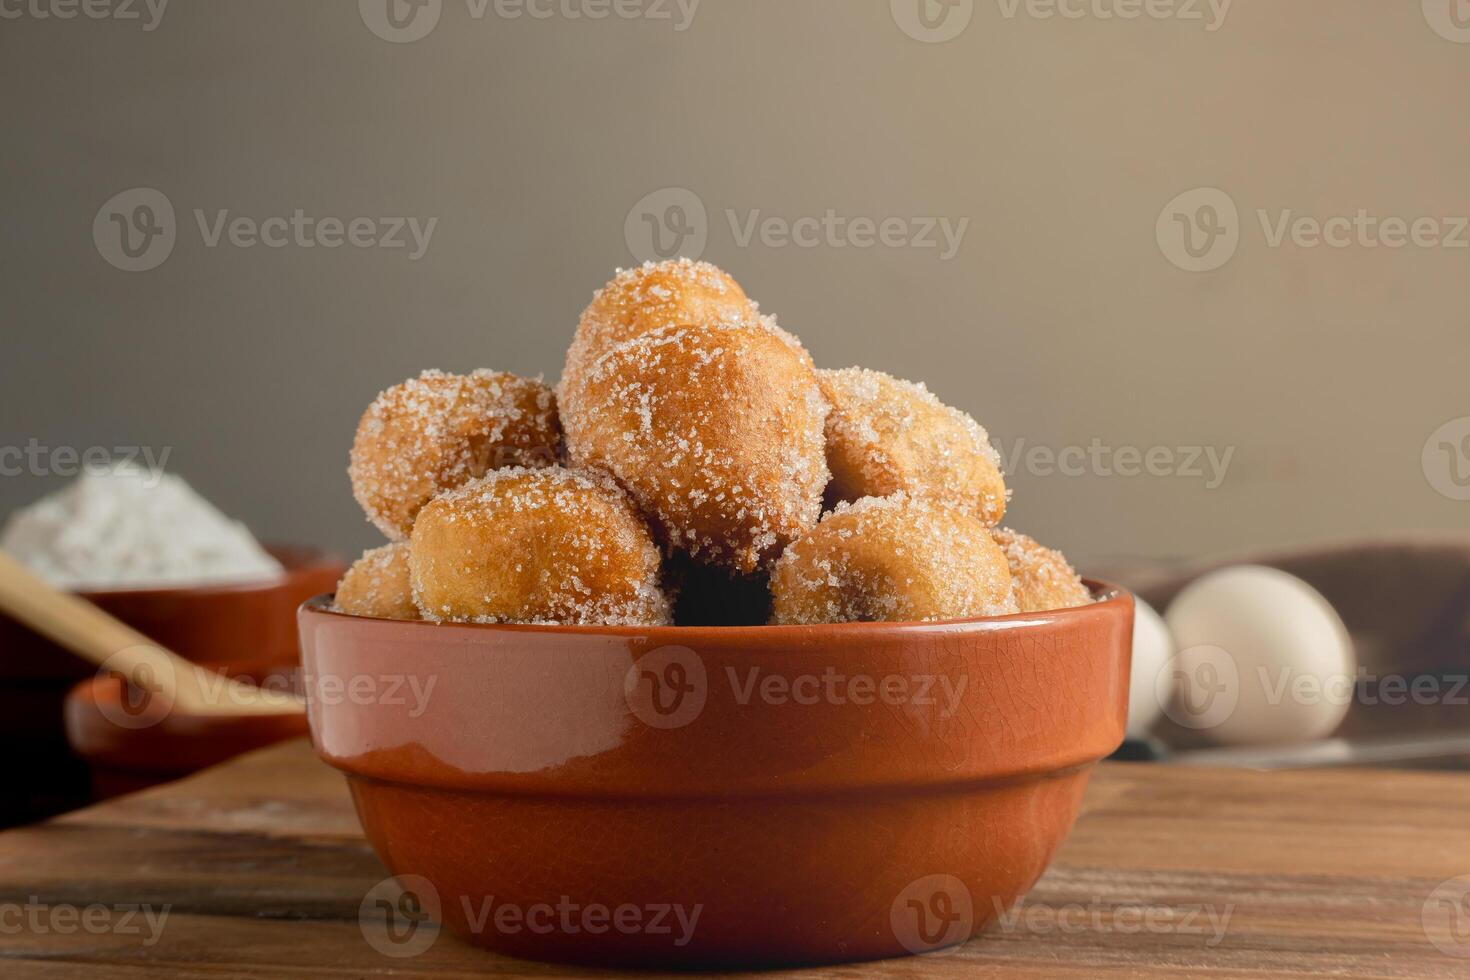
(896, 559)
(651, 296)
(1043, 578)
(885, 435)
(536, 546)
(438, 431)
(716, 432)
(377, 585)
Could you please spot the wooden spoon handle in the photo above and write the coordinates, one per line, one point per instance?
(97, 637)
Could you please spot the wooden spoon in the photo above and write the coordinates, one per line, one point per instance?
(97, 637)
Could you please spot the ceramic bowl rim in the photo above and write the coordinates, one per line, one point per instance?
(1107, 598)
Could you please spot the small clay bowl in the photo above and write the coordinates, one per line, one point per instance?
(718, 797)
(131, 743)
(248, 628)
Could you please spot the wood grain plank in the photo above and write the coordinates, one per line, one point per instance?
(1171, 872)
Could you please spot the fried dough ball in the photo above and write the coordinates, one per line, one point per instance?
(1042, 578)
(885, 435)
(438, 431)
(377, 585)
(716, 432)
(651, 296)
(892, 559)
(536, 546)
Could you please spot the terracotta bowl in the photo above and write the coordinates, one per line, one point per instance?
(246, 629)
(717, 797)
(131, 744)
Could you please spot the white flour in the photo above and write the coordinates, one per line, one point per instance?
(128, 527)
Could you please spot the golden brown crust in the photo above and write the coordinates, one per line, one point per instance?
(1041, 577)
(649, 297)
(892, 559)
(377, 585)
(536, 546)
(716, 432)
(438, 431)
(887, 435)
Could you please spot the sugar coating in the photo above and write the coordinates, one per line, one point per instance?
(378, 585)
(886, 434)
(717, 432)
(1041, 577)
(892, 559)
(124, 526)
(436, 431)
(650, 296)
(536, 546)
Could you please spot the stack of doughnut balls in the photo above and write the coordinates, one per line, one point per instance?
(694, 467)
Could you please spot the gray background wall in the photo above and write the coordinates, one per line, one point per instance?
(1060, 321)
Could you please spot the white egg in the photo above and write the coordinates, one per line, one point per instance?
(1261, 658)
(1151, 649)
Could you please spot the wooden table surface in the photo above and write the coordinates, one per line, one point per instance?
(1170, 872)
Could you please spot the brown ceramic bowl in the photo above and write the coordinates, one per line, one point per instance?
(716, 797)
(130, 745)
(246, 629)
